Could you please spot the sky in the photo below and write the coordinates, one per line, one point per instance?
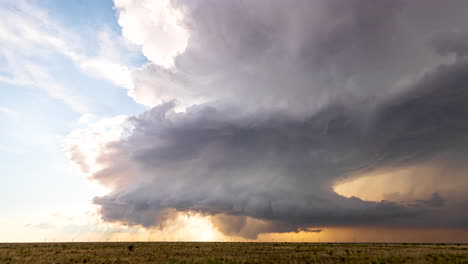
(221, 120)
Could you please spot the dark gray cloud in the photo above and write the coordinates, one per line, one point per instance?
(452, 42)
(298, 95)
(271, 166)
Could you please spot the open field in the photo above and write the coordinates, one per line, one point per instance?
(218, 252)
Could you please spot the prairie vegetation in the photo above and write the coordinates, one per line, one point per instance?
(219, 252)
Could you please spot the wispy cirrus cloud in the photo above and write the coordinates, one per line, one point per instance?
(29, 38)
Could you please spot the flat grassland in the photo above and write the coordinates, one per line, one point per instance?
(224, 252)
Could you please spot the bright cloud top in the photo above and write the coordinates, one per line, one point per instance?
(156, 26)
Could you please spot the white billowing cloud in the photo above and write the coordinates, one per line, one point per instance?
(156, 85)
(154, 25)
(84, 144)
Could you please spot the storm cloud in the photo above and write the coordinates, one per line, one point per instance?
(284, 99)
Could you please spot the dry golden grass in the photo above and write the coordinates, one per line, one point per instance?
(179, 252)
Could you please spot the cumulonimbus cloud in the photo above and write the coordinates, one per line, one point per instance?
(270, 166)
(291, 98)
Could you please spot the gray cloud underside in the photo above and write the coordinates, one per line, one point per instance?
(394, 79)
(270, 166)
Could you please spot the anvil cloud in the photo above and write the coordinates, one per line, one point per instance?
(281, 101)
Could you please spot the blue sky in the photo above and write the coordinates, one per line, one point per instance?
(38, 179)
